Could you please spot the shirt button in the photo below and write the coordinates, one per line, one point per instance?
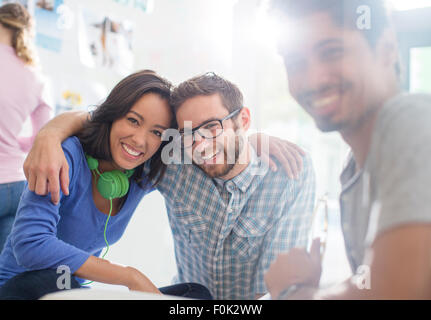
(229, 210)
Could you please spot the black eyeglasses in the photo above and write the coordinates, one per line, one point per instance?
(208, 130)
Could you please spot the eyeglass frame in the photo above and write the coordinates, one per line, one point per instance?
(196, 130)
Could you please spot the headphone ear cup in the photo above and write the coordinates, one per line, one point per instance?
(123, 182)
(113, 184)
(106, 185)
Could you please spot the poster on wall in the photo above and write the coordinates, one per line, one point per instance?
(48, 16)
(74, 94)
(105, 42)
(146, 6)
(49, 33)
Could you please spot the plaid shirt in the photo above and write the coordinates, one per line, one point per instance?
(227, 234)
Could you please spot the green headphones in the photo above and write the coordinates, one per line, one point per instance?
(112, 184)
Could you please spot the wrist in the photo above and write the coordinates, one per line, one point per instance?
(52, 134)
(285, 293)
(291, 287)
(298, 292)
(131, 277)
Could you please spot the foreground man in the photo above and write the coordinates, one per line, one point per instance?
(344, 70)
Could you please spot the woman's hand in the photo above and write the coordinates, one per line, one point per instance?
(46, 167)
(139, 282)
(287, 153)
(104, 271)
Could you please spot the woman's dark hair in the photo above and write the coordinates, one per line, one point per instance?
(95, 137)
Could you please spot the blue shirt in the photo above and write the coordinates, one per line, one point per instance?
(46, 236)
(227, 233)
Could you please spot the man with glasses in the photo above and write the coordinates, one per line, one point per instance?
(343, 68)
(209, 130)
(229, 213)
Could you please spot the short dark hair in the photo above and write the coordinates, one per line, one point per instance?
(343, 12)
(95, 137)
(205, 85)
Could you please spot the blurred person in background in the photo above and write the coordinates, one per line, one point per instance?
(344, 70)
(20, 98)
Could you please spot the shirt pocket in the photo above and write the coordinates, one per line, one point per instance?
(246, 249)
(191, 227)
(247, 242)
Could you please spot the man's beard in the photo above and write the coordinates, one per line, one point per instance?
(329, 126)
(347, 125)
(219, 170)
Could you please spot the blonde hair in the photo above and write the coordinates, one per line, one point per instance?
(15, 17)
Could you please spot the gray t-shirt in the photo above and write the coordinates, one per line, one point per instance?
(393, 187)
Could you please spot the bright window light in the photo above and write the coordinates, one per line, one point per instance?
(409, 4)
(266, 30)
(420, 78)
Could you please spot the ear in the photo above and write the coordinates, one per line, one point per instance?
(244, 119)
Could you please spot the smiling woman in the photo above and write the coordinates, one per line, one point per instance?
(137, 136)
(106, 185)
(135, 109)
